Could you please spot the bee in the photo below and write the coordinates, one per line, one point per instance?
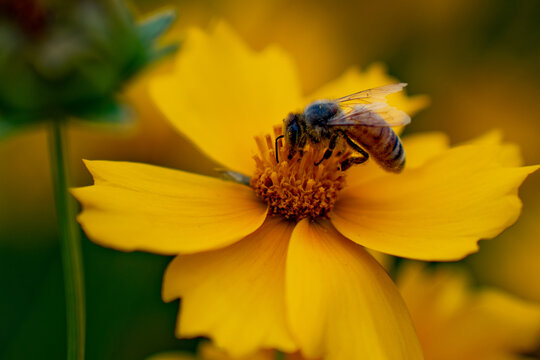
(361, 122)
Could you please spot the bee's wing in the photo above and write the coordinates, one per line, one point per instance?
(373, 95)
(374, 114)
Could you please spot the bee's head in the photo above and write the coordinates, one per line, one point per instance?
(292, 130)
(319, 112)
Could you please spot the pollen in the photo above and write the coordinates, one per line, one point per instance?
(295, 187)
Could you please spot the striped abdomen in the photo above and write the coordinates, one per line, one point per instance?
(382, 144)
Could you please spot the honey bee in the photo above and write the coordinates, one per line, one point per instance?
(361, 122)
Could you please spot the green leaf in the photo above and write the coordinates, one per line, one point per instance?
(153, 27)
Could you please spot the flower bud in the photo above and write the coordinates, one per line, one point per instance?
(70, 58)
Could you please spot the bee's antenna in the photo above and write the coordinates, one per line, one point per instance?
(277, 156)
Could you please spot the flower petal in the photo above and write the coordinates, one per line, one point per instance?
(142, 207)
(222, 94)
(510, 154)
(423, 147)
(235, 295)
(438, 211)
(453, 322)
(341, 303)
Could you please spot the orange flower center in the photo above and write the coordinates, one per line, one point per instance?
(296, 188)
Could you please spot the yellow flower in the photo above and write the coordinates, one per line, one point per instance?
(454, 322)
(249, 280)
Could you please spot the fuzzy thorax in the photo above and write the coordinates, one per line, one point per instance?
(295, 188)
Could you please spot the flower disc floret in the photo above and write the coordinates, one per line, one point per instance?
(295, 187)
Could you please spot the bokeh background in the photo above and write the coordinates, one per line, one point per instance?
(477, 60)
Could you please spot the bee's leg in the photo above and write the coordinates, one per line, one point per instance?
(353, 160)
(330, 150)
(277, 148)
(356, 147)
(360, 158)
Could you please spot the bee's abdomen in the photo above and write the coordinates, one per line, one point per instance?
(384, 146)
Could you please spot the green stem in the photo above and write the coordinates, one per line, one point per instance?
(280, 355)
(70, 245)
